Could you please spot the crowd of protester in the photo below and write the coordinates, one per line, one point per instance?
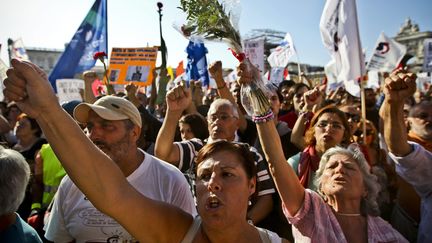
(198, 168)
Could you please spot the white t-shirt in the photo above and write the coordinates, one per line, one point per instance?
(73, 217)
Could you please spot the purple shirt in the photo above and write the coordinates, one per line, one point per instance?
(316, 222)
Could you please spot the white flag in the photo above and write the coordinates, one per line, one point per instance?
(18, 51)
(339, 32)
(331, 75)
(427, 62)
(254, 50)
(387, 54)
(281, 55)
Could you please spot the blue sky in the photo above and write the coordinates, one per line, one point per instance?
(134, 23)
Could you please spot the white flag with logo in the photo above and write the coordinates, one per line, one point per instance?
(18, 50)
(387, 54)
(281, 54)
(427, 62)
(339, 33)
(254, 50)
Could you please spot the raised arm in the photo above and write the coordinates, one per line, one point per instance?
(290, 190)
(177, 99)
(89, 77)
(298, 131)
(286, 181)
(398, 87)
(98, 177)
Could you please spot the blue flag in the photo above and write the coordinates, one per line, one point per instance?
(196, 68)
(90, 37)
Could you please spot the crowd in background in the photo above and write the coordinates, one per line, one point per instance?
(311, 127)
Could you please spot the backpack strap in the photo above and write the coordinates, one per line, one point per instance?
(193, 230)
(265, 237)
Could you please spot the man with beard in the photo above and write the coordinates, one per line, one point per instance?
(420, 123)
(114, 125)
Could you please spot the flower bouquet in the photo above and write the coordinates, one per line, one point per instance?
(216, 20)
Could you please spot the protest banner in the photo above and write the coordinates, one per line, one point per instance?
(69, 89)
(427, 62)
(132, 65)
(254, 50)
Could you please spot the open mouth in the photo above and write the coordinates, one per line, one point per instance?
(213, 203)
(339, 179)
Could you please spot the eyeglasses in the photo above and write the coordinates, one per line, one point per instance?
(354, 117)
(223, 117)
(334, 125)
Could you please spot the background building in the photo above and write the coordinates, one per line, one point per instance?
(410, 35)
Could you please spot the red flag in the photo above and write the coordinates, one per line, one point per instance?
(180, 69)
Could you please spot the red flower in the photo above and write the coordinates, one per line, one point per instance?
(99, 55)
(159, 5)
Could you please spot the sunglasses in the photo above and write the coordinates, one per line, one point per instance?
(358, 133)
(353, 117)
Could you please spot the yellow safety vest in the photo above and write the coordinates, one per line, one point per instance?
(53, 172)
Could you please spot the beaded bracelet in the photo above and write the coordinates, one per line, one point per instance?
(268, 116)
(307, 114)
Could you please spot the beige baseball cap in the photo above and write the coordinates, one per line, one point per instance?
(110, 108)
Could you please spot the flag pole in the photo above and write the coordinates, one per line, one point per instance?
(362, 79)
(163, 48)
(106, 23)
(298, 67)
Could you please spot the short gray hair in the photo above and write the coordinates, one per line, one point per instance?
(223, 102)
(14, 177)
(369, 204)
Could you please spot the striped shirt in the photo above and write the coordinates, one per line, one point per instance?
(189, 150)
(316, 222)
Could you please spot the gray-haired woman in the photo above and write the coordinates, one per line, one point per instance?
(346, 210)
(14, 176)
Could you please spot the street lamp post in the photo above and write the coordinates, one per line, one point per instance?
(163, 47)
